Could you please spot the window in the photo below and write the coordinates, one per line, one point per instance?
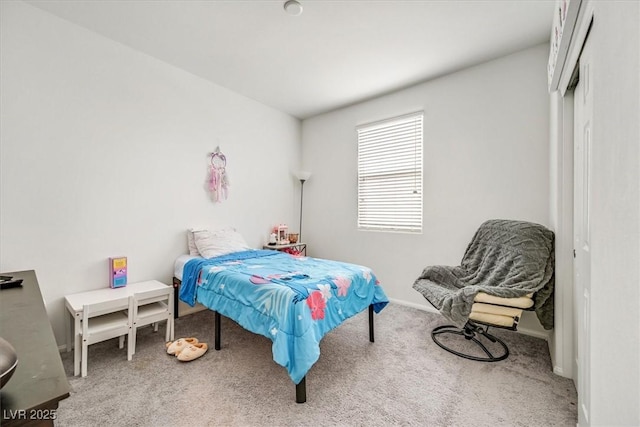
(390, 174)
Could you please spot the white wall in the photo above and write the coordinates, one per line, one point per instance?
(104, 152)
(486, 155)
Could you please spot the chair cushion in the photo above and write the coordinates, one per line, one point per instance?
(521, 302)
(498, 315)
(493, 319)
(496, 309)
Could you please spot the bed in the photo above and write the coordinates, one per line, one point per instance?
(292, 300)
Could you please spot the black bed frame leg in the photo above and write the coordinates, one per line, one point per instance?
(371, 338)
(301, 391)
(176, 293)
(217, 328)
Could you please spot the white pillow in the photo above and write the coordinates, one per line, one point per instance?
(193, 249)
(212, 243)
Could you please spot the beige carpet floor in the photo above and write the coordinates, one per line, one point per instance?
(403, 378)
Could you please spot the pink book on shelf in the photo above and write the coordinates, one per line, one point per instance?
(118, 272)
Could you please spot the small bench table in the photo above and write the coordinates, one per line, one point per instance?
(76, 302)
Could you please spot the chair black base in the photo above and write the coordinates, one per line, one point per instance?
(472, 331)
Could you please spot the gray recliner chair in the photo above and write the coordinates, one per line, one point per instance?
(508, 267)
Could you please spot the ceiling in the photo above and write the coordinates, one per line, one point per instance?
(334, 54)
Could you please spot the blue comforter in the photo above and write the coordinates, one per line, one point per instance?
(294, 301)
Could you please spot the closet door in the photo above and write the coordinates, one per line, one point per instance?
(583, 123)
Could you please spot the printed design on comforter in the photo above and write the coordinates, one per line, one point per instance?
(294, 301)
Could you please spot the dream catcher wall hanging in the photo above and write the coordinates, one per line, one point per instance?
(218, 181)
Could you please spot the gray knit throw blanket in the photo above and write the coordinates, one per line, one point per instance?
(505, 258)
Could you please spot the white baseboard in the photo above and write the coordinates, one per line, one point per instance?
(535, 334)
(558, 371)
(428, 308)
(184, 309)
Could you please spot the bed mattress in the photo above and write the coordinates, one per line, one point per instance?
(179, 264)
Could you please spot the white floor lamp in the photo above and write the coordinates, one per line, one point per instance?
(302, 176)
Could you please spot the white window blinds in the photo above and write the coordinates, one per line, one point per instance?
(390, 174)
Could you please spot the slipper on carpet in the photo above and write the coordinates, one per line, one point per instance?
(192, 352)
(177, 346)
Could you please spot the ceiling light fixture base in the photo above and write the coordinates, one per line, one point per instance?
(293, 7)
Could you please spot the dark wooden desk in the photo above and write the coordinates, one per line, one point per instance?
(32, 394)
